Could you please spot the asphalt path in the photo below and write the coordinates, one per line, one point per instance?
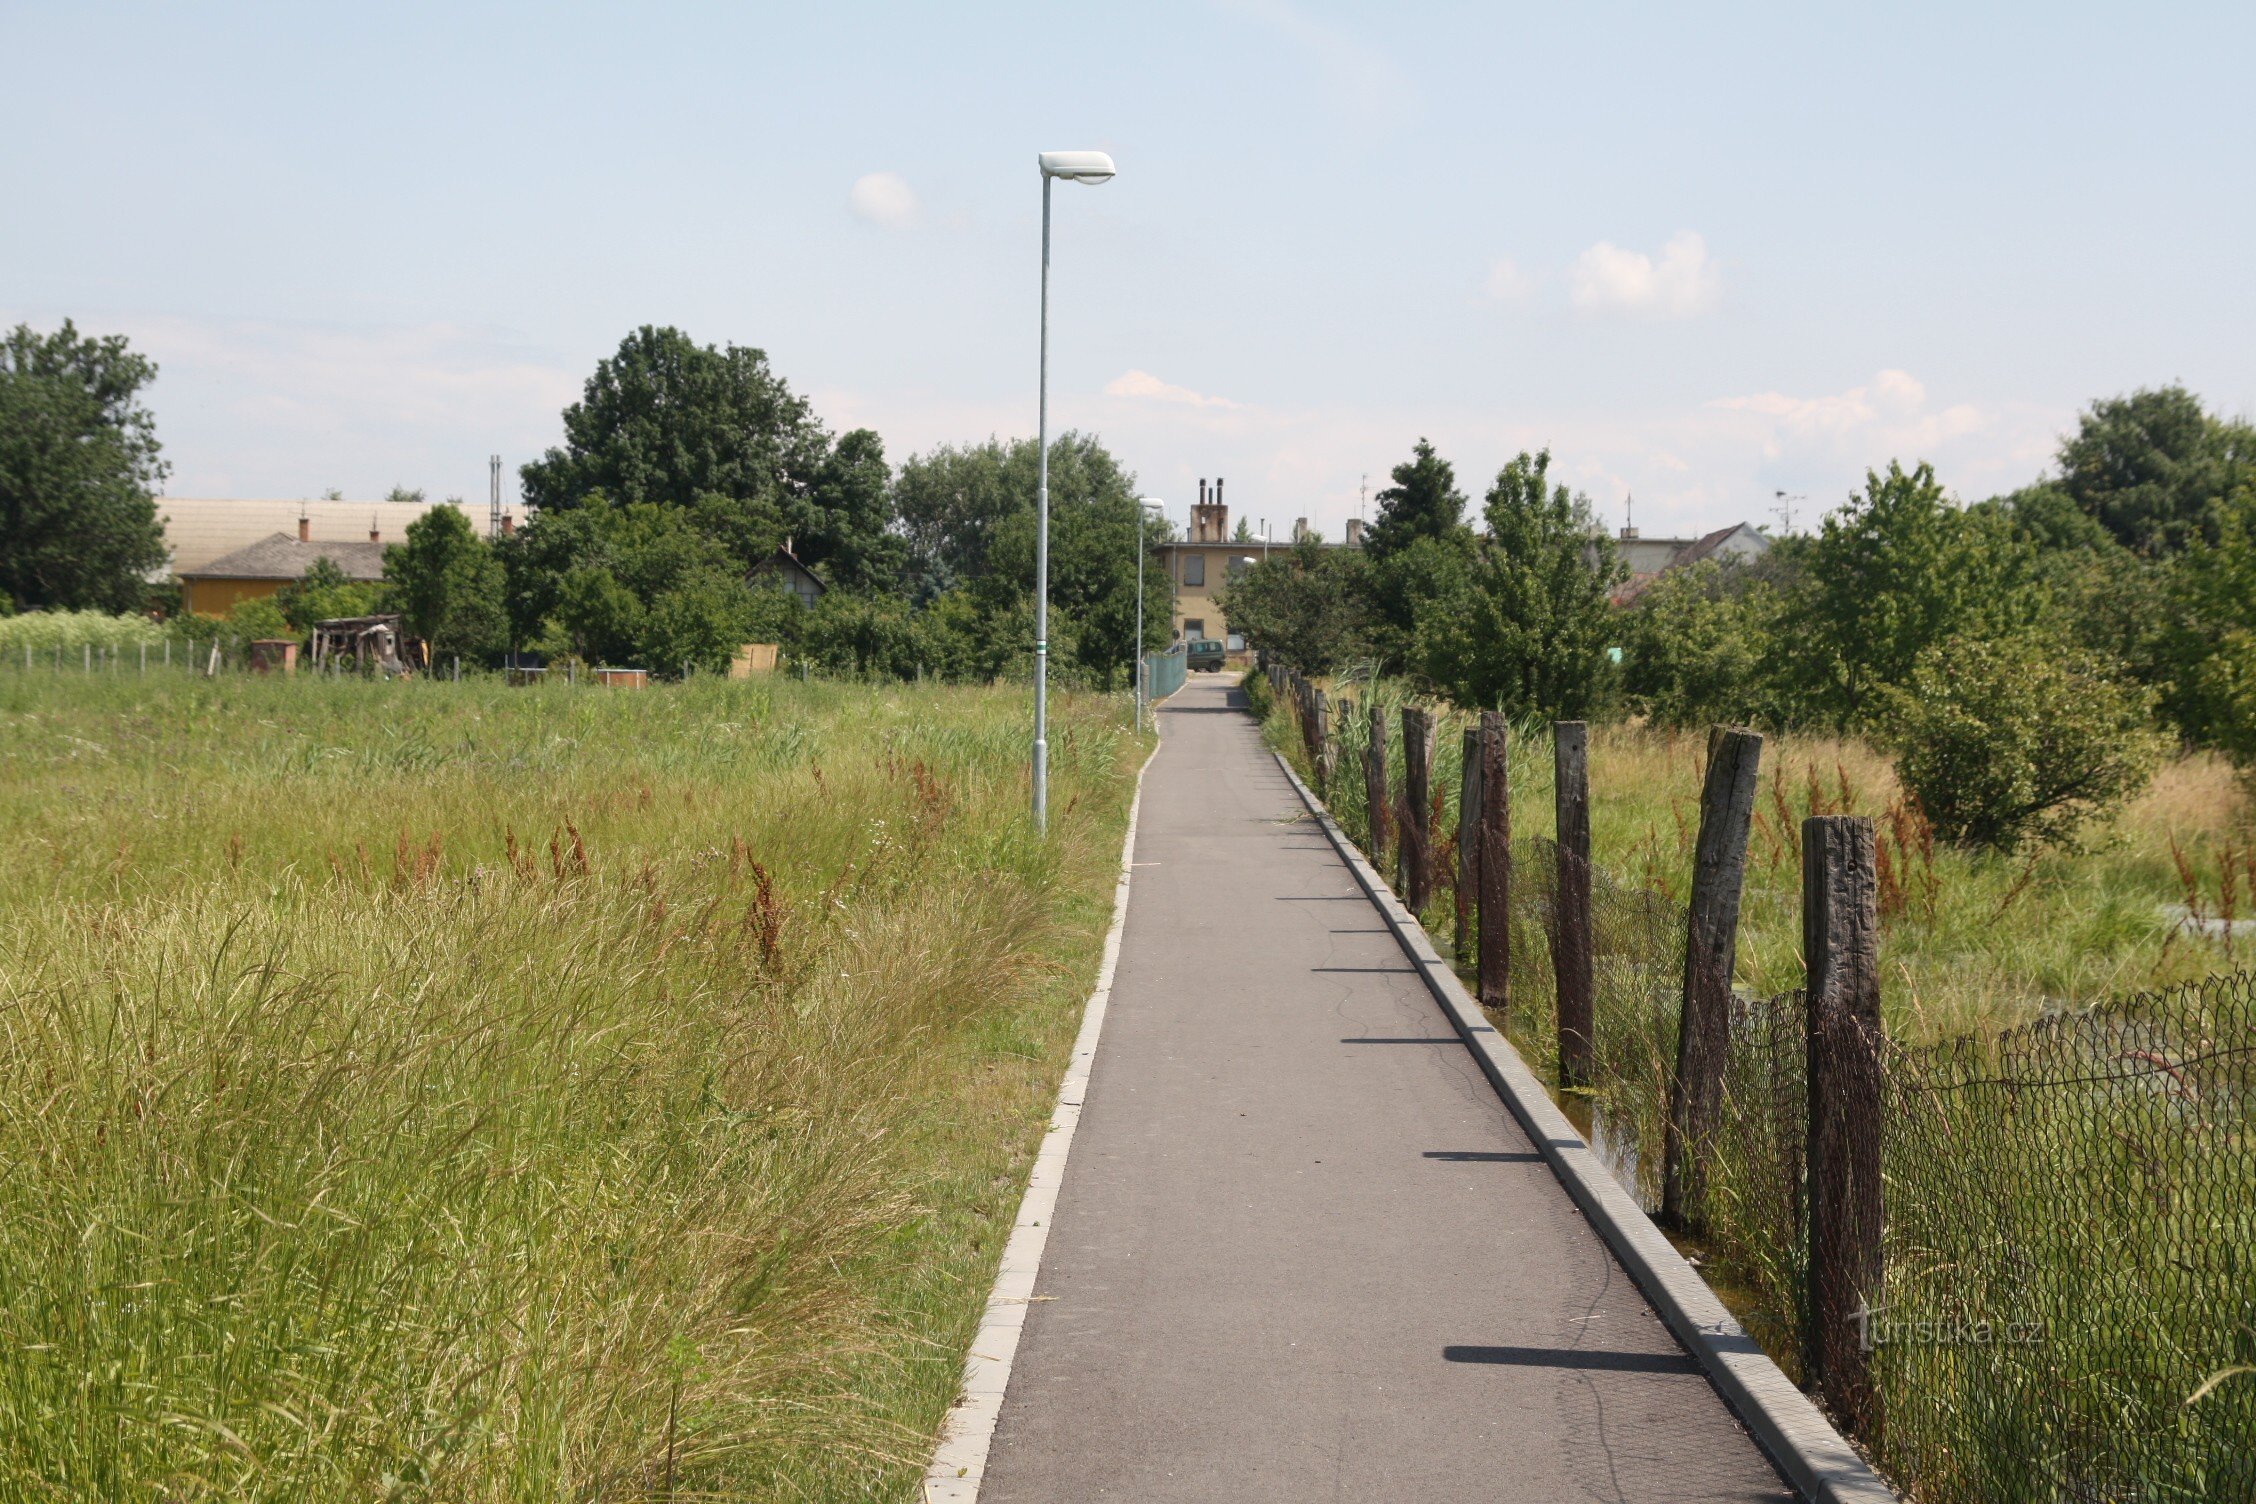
(1302, 1251)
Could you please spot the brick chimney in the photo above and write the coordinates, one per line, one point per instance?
(374, 536)
(1354, 532)
(508, 524)
(305, 528)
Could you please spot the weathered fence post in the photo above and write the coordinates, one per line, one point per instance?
(1571, 935)
(1495, 861)
(1841, 1019)
(1711, 946)
(1468, 843)
(1320, 746)
(1415, 838)
(1375, 785)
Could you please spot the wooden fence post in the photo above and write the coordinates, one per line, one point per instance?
(1320, 746)
(1711, 947)
(1415, 838)
(1571, 934)
(1375, 786)
(1495, 861)
(1468, 844)
(1841, 1019)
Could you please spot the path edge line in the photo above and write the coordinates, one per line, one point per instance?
(959, 1462)
(1816, 1459)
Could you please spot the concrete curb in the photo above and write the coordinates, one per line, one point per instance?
(960, 1461)
(1814, 1457)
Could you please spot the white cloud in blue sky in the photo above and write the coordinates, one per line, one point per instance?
(1702, 255)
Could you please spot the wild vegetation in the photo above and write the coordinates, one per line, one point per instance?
(434, 1091)
(2020, 653)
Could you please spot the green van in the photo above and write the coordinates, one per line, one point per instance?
(1203, 655)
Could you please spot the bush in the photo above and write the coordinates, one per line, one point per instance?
(1697, 648)
(45, 631)
(261, 618)
(2019, 738)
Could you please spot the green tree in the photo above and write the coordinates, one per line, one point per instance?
(2150, 467)
(716, 433)
(640, 584)
(449, 586)
(1303, 606)
(969, 518)
(323, 593)
(1529, 627)
(1418, 548)
(1423, 502)
(1894, 572)
(1698, 647)
(79, 469)
(2207, 624)
(2024, 737)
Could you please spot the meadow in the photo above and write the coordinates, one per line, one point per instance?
(451, 1091)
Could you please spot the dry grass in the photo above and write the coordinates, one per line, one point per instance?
(450, 1092)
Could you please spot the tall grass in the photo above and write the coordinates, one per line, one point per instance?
(1970, 940)
(428, 1091)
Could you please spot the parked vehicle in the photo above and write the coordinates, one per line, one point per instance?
(1203, 655)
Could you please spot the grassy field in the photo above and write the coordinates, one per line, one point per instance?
(431, 1091)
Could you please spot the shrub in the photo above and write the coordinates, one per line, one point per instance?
(261, 617)
(1697, 648)
(2019, 738)
(45, 631)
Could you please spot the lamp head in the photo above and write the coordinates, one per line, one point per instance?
(1077, 166)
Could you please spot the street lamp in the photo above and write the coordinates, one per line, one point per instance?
(1144, 506)
(1074, 167)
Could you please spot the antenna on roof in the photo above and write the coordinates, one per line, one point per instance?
(1785, 512)
(1362, 495)
(493, 526)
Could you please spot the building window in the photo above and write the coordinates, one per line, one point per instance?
(1194, 569)
(1194, 628)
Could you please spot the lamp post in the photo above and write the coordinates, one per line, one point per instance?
(1074, 167)
(1144, 506)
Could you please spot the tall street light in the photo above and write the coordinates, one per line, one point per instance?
(1145, 505)
(1074, 167)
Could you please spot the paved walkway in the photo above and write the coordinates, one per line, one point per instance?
(1302, 1252)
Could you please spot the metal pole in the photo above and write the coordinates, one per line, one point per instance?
(1042, 549)
(1136, 653)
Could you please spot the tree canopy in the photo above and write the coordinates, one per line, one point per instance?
(79, 469)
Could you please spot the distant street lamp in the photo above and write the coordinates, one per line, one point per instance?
(1074, 167)
(1144, 506)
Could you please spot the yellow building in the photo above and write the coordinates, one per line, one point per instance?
(225, 552)
(1201, 565)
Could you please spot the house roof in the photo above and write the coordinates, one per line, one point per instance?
(200, 530)
(1688, 551)
(282, 557)
(1706, 545)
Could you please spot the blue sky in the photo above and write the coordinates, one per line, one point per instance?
(1704, 253)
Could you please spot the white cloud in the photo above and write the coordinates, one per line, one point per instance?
(1682, 283)
(1146, 386)
(1891, 406)
(884, 199)
(1506, 283)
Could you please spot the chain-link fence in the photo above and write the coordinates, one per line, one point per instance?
(2066, 1298)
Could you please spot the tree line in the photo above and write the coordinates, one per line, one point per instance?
(654, 530)
(2029, 656)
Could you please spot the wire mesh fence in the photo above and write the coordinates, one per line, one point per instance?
(2066, 1287)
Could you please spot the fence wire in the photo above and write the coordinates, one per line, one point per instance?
(2067, 1303)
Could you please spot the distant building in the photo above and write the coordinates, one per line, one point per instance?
(225, 552)
(1650, 558)
(783, 568)
(1201, 564)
